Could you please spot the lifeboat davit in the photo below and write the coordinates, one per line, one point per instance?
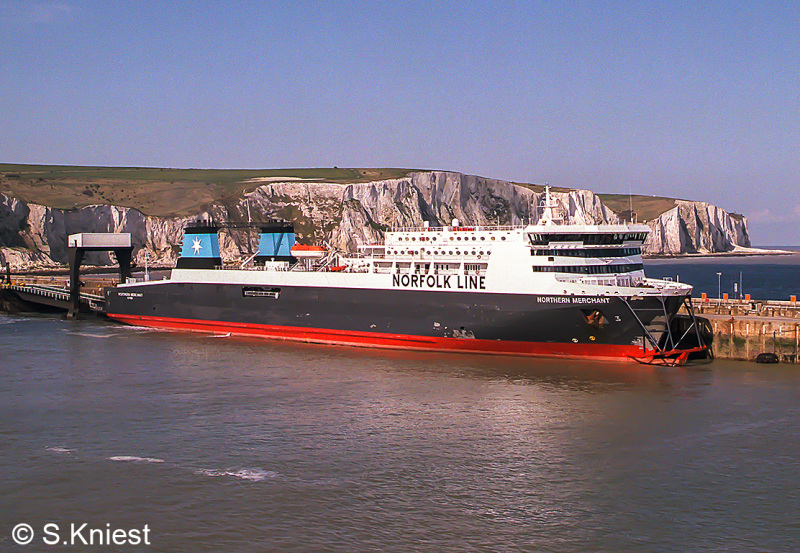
(308, 252)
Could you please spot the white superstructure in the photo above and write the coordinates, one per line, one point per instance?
(548, 257)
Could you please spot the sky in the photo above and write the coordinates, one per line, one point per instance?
(694, 100)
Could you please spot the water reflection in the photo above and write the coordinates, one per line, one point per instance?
(257, 445)
(341, 362)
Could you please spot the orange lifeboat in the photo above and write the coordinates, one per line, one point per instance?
(308, 252)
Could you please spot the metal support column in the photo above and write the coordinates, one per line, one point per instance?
(75, 256)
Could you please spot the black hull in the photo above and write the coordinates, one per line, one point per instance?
(475, 321)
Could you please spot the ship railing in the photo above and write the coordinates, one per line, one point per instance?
(366, 256)
(666, 284)
(283, 268)
(627, 281)
(460, 228)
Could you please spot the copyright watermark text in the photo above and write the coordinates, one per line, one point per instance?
(80, 534)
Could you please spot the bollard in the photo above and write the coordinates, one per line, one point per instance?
(747, 341)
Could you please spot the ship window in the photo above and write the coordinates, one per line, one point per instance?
(474, 267)
(483, 238)
(502, 238)
(261, 292)
(589, 269)
(588, 252)
(538, 239)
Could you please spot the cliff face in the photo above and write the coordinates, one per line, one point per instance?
(345, 216)
(696, 227)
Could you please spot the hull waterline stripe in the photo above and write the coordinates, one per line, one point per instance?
(391, 341)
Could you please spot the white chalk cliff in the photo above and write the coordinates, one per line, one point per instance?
(696, 227)
(345, 216)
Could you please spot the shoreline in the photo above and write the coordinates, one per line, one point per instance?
(63, 270)
(739, 252)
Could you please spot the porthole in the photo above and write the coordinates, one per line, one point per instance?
(459, 238)
(492, 237)
(483, 238)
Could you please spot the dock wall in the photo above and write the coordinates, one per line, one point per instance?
(743, 329)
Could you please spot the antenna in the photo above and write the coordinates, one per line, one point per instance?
(630, 199)
(547, 215)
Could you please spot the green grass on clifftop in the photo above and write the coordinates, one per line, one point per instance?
(646, 208)
(160, 192)
(186, 192)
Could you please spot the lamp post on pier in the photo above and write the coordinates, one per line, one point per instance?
(719, 286)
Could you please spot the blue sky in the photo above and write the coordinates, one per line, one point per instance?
(697, 100)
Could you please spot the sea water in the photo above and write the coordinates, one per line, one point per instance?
(769, 277)
(221, 444)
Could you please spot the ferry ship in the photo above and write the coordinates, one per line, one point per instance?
(544, 289)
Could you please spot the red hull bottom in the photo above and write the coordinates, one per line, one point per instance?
(390, 341)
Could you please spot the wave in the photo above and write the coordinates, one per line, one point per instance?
(133, 459)
(90, 335)
(252, 474)
(136, 328)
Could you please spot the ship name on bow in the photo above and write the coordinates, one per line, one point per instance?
(572, 300)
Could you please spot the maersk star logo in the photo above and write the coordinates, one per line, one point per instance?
(196, 246)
